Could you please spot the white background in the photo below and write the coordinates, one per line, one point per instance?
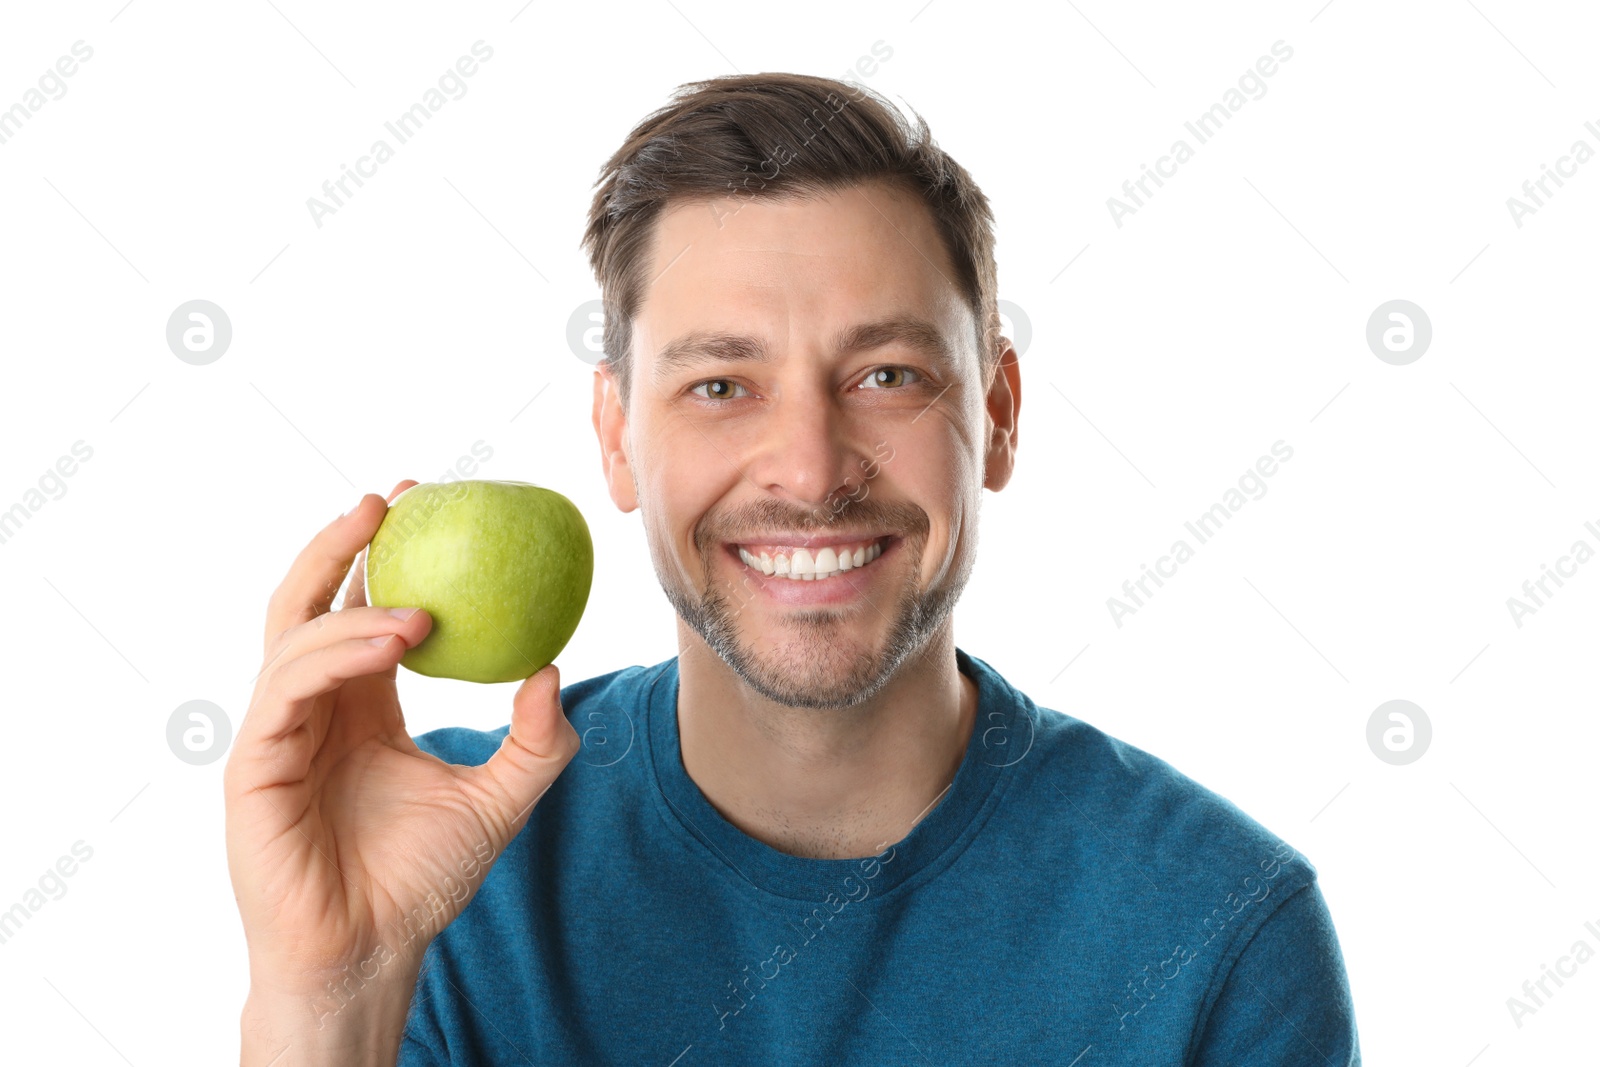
(1226, 314)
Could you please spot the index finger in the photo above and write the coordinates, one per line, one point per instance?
(308, 589)
(356, 595)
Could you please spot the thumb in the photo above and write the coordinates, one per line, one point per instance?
(537, 748)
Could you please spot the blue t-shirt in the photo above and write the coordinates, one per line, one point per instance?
(1070, 900)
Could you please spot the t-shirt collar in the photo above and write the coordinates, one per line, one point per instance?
(1002, 734)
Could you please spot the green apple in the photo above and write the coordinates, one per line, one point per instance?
(503, 568)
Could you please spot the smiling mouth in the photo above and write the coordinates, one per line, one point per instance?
(802, 564)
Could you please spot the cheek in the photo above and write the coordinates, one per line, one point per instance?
(681, 478)
(944, 478)
(933, 466)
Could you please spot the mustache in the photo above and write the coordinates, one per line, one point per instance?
(900, 518)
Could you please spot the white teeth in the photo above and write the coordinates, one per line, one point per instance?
(803, 566)
(763, 563)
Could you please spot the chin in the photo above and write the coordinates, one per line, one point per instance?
(797, 673)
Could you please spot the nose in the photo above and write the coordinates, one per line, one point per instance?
(805, 451)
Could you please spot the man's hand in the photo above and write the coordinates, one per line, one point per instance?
(344, 838)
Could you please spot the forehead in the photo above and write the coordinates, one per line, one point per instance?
(776, 267)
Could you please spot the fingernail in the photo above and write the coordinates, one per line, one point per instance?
(353, 509)
(403, 613)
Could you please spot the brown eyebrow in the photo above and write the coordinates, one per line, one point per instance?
(699, 347)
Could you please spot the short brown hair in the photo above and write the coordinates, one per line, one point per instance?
(747, 134)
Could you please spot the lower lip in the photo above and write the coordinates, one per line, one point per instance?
(839, 589)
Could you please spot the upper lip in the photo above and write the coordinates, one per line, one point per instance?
(794, 540)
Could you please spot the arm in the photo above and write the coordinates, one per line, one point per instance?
(1286, 999)
(281, 1026)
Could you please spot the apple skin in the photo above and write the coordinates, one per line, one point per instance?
(504, 569)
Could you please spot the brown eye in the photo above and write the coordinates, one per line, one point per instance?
(716, 389)
(885, 377)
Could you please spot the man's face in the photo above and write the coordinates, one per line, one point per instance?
(864, 434)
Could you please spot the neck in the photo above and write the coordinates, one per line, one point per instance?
(825, 783)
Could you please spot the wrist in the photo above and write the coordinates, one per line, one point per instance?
(354, 1017)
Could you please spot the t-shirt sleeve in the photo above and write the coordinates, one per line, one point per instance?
(413, 1053)
(1286, 1000)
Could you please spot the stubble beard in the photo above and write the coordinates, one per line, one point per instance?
(813, 663)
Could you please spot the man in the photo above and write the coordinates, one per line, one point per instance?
(822, 833)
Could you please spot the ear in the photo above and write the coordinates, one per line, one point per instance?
(1003, 402)
(611, 427)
